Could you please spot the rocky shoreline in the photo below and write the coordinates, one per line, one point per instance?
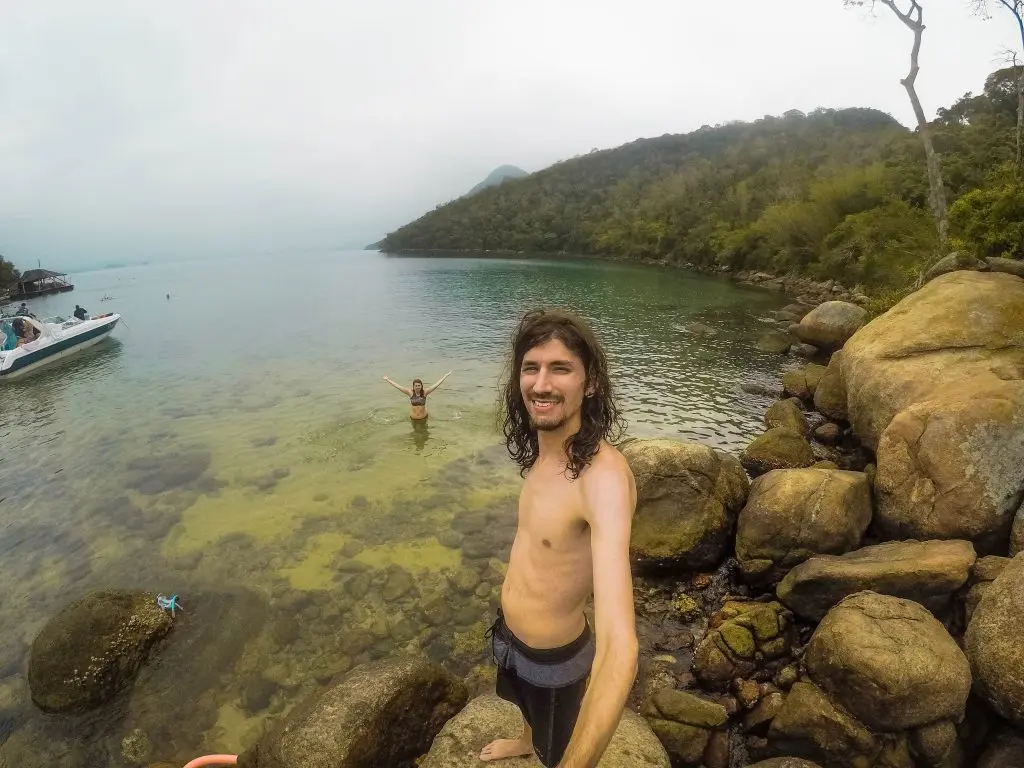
(845, 593)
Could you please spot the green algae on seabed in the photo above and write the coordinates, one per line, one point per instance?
(419, 555)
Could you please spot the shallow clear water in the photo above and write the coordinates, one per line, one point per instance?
(235, 444)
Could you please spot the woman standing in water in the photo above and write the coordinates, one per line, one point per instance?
(418, 395)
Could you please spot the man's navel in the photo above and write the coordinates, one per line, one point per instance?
(545, 542)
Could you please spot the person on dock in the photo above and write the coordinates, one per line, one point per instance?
(417, 395)
(80, 312)
(572, 541)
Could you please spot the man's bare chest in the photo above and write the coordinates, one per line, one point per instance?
(551, 513)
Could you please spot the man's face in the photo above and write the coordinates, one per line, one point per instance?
(552, 380)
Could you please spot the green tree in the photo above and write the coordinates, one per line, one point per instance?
(990, 221)
(1016, 9)
(8, 274)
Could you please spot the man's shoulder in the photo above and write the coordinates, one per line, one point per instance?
(607, 466)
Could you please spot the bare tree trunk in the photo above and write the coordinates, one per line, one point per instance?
(913, 19)
(1020, 119)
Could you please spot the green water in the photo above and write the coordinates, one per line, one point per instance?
(235, 444)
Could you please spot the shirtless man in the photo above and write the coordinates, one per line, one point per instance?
(575, 512)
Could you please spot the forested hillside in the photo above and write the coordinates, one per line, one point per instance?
(837, 193)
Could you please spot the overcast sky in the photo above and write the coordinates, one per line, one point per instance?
(134, 130)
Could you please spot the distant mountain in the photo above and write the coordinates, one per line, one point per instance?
(497, 176)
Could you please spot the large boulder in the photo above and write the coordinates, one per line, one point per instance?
(950, 467)
(383, 713)
(778, 448)
(994, 646)
(830, 394)
(792, 514)
(488, 717)
(829, 325)
(688, 496)
(928, 572)
(888, 662)
(960, 327)
(93, 648)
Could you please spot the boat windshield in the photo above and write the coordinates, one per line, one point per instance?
(9, 339)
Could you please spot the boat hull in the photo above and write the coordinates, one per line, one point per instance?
(56, 352)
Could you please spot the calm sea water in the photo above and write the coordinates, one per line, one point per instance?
(235, 444)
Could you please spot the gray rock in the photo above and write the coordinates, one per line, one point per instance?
(927, 572)
(1010, 266)
(778, 448)
(487, 717)
(830, 394)
(786, 413)
(827, 433)
(953, 262)
(806, 351)
(831, 324)
(93, 648)
(802, 382)
(993, 643)
(687, 499)
(809, 723)
(888, 662)
(385, 713)
(792, 514)
(1003, 751)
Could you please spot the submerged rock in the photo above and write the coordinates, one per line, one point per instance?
(688, 496)
(383, 713)
(775, 342)
(993, 643)
(778, 448)
(488, 717)
(792, 514)
(889, 662)
(928, 572)
(93, 648)
(831, 324)
(164, 472)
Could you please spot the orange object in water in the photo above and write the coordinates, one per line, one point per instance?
(213, 760)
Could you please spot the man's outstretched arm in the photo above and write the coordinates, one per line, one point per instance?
(609, 497)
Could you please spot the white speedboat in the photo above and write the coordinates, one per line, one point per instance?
(53, 340)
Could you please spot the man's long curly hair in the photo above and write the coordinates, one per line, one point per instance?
(599, 418)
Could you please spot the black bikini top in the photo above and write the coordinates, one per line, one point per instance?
(418, 400)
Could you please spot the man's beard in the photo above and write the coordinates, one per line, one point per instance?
(548, 426)
(549, 423)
